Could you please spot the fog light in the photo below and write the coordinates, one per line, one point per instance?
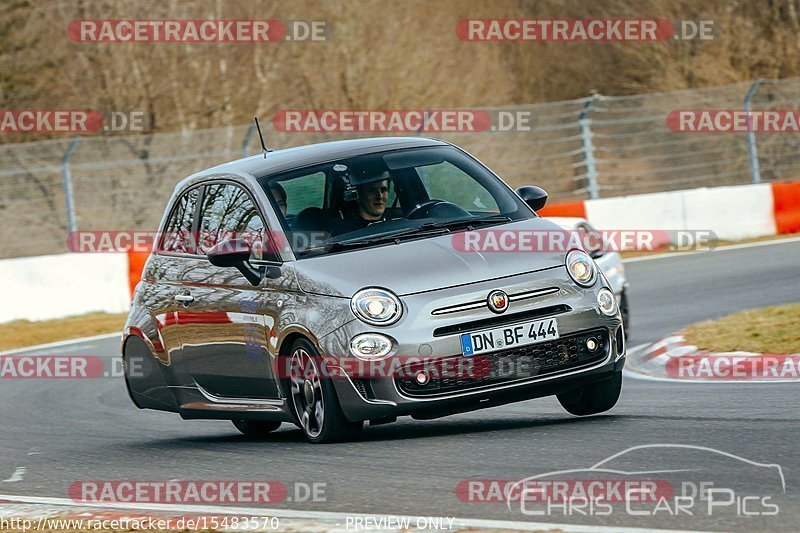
(370, 345)
(606, 302)
(423, 378)
(591, 344)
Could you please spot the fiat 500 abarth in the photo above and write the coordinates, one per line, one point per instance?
(352, 281)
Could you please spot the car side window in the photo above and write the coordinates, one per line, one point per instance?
(178, 236)
(227, 213)
(303, 192)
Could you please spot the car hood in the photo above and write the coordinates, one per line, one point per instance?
(423, 265)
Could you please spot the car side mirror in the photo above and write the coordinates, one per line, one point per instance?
(535, 197)
(236, 253)
(229, 253)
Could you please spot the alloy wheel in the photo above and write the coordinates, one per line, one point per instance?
(306, 391)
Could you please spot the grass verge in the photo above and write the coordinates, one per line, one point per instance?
(773, 330)
(22, 333)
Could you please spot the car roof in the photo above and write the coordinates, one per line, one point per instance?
(311, 154)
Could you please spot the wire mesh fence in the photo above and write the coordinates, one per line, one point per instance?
(593, 147)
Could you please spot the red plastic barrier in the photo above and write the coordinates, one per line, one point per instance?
(567, 209)
(136, 261)
(786, 206)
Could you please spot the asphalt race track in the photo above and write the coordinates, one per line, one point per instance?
(63, 431)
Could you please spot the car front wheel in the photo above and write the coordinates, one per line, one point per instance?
(314, 399)
(593, 398)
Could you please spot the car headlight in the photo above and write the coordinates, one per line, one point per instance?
(581, 268)
(607, 302)
(370, 345)
(378, 307)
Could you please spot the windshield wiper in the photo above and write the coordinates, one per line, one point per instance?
(335, 246)
(392, 236)
(470, 223)
(417, 231)
(466, 223)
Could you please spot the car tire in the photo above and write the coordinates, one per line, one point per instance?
(593, 398)
(313, 398)
(256, 429)
(625, 312)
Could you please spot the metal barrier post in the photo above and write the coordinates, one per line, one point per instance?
(585, 124)
(752, 150)
(66, 178)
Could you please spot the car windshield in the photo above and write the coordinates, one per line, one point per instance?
(373, 199)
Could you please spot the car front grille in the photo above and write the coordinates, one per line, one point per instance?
(459, 373)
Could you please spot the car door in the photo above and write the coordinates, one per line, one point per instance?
(162, 284)
(224, 320)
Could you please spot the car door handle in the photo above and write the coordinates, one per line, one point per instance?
(185, 298)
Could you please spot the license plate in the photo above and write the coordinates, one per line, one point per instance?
(509, 336)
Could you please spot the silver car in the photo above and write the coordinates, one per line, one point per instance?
(352, 281)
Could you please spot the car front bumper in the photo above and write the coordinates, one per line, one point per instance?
(429, 339)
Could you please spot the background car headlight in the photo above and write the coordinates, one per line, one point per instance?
(378, 307)
(581, 268)
(606, 302)
(370, 345)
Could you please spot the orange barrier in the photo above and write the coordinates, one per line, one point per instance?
(567, 209)
(136, 261)
(786, 206)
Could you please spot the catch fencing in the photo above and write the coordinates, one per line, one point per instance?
(593, 147)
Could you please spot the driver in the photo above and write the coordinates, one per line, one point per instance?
(372, 199)
(373, 195)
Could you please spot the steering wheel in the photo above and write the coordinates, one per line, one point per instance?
(421, 210)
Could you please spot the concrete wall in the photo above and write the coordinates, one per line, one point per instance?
(54, 286)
